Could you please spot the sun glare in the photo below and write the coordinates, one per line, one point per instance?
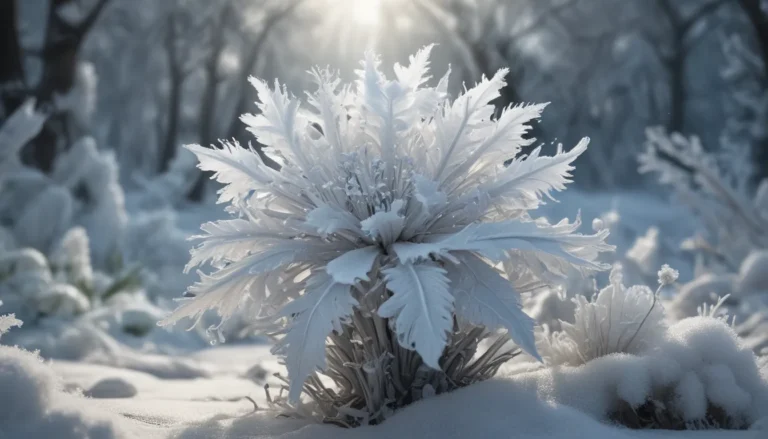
(366, 12)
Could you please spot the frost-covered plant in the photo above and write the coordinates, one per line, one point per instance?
(698, 375)
(735, 221)
(8, 321)
(617, 320)
(384, 226)
(54, 228)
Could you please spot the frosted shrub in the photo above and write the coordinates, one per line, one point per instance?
(735, 221)
(618, 320)
(372, 253)
(55, 228)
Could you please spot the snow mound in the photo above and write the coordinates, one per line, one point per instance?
(699, 376)
(112, 388)
(499, 408)
(33, 405)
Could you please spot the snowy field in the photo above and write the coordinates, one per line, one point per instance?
(529, 219)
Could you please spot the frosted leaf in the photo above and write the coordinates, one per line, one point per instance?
(322, 309)
(354, 265)
(485, 298)
(422, 306)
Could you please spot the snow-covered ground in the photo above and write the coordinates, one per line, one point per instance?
(217, 407)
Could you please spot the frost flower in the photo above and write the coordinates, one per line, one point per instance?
(667, 275)
(390, 201)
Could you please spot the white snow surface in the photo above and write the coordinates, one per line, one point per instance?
(37, 406)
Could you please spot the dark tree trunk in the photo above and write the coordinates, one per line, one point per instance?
(678, 89)
(208, 101)
(11, 68)
(177, 74)
(174, 108)
(59, 56)
(759, 20)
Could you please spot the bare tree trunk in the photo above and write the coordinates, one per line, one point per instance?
(209, 98)
(759, 20)
(59, 56)
(177, 74)
(11, 68)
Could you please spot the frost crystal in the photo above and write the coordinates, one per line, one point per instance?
(668, 275)
(385, 183)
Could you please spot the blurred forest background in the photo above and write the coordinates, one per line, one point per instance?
(143, 77)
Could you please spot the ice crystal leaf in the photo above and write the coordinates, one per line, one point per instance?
(385, 226)
(486, 158)
(354, 265)
(494, 240)
(416, 74)
(228, 240)
(485, 298)
(241, 170)
(534, 176)
(326, 220)
(226, 288)
(422, 306)
(322, 309)
(275, 126)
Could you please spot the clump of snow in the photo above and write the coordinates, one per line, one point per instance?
(34, 406)
(112, 388)
(698, 376)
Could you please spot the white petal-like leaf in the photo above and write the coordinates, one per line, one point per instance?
(228, 240)
(534, 176)
(383, 226)
(353, 265)
(326, 220)
(422, 306)
(484, 297)
(226, 288)
(240, 170)
(494, 240)
(324, 307)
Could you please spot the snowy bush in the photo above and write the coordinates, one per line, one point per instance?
(383, 229)
(618, 320)
(735, 221)
(697, 376)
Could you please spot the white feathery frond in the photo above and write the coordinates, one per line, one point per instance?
(277, 124)
(500, 142)
(422, 306)
(324, 307)
(495, 240)
(327, 219)
(229, 240)
(241, 170)
(534, 176)
(485, 298)
(454, 126)
(417, 72)
(385, 226)
(354, 265)
(225, 289)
